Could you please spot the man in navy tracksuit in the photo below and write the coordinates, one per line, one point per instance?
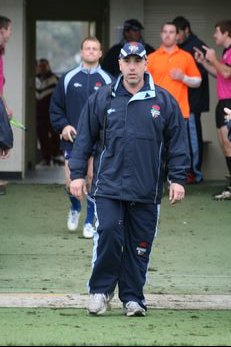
(143, 131)
(66, 105)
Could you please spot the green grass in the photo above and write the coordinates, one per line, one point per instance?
(191, 255)
(74, 327)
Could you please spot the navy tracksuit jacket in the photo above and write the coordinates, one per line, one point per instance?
(70, 95)
(143, 132)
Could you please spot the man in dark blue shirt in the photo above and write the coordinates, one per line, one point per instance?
(198, 100)
(132, 31)
(143, 129)
(67, 102)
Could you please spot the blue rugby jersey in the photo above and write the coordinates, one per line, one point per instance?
(70, 95)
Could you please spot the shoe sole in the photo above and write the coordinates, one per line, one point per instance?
(88, 236)
(138, 313)
(221, 199)
(135, 314)
(93, 313)
(72, 229)
(98, 313)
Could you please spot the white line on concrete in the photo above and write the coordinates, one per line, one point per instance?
(158, 301)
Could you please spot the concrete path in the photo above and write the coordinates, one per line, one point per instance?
(159, 301)
(44, 175)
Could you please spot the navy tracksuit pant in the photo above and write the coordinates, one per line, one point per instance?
(122, 245)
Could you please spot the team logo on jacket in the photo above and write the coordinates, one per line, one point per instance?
(155, 111)
(97, 85)
(76, 85)
(110, 110)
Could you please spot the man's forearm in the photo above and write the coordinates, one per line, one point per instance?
(221, 68)
(192, 82)
(209, 67)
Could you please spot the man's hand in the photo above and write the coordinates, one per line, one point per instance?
(176, 192)
(68, 132)
(177, 74)
(9, 112)
(89, 173)
(228, 114)
(4, 153)
(78, 188)
(199, 55)
(210, 54)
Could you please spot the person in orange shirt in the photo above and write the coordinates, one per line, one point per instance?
(173, 68)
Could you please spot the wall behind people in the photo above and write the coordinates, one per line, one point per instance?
(131, 9)
(151, 14)
(203, 22)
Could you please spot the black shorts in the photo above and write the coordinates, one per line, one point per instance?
(220, 113)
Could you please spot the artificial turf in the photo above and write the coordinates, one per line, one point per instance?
(191, 255)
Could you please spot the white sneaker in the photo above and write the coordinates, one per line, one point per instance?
(88, 231)
(99, 303)
(73, 220)
(132, 308)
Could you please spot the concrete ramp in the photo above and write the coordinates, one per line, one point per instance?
(159, 301)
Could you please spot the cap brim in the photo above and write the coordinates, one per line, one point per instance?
(132, 55)
(132, 28)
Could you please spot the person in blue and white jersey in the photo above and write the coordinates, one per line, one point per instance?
(67, 102)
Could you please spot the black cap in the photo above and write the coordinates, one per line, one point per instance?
(132, 24)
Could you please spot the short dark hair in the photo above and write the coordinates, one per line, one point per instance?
(43, 61)
(4, 22)
(132, 24)
(181, 23)
(224, 25)
(169, 23)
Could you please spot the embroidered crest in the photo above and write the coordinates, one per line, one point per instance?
(155, 111)
(133, 48)
(97, 85)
